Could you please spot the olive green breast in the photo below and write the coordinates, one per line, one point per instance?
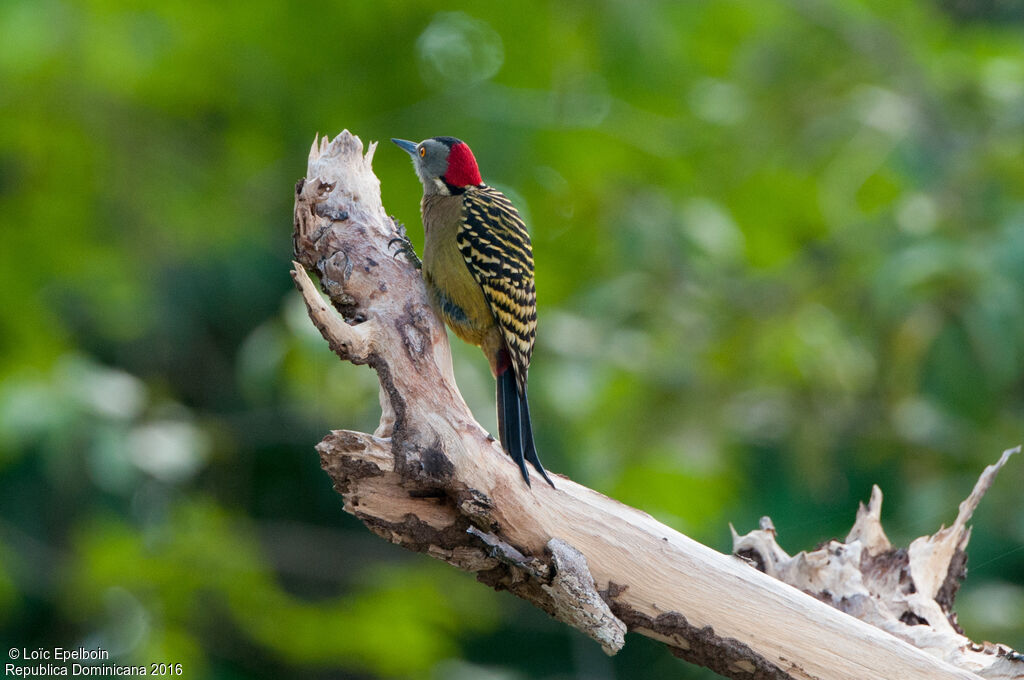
(455, 294)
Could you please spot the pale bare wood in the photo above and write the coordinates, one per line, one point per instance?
(432, 480)
(908, 593)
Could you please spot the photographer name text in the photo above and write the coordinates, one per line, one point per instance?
(49, 662)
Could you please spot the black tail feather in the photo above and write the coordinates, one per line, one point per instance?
(529, 448)
(515, 428)
(509, 420)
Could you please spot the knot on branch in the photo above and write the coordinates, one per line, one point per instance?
(570, 593)
(576, 600)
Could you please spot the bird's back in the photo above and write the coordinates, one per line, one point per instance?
(496, 247)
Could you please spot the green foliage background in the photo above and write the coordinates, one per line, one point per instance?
(780, 257)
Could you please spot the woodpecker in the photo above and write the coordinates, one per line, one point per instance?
(478, 268)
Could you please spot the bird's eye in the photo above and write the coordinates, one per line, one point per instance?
(423, 151)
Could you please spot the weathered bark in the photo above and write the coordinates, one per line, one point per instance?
(432, 480)
(905, 591)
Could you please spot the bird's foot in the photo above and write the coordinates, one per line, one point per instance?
(406, 248)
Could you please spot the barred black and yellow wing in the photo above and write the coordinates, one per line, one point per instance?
(496, 247)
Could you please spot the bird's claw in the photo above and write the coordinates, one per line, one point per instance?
(406, 248)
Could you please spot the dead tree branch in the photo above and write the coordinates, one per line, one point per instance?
(907, 592)
(432, 480)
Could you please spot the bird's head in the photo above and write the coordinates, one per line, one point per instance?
(445, 165)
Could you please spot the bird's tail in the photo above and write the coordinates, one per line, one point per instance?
(514, 427)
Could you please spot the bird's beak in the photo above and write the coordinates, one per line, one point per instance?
(406, 145)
